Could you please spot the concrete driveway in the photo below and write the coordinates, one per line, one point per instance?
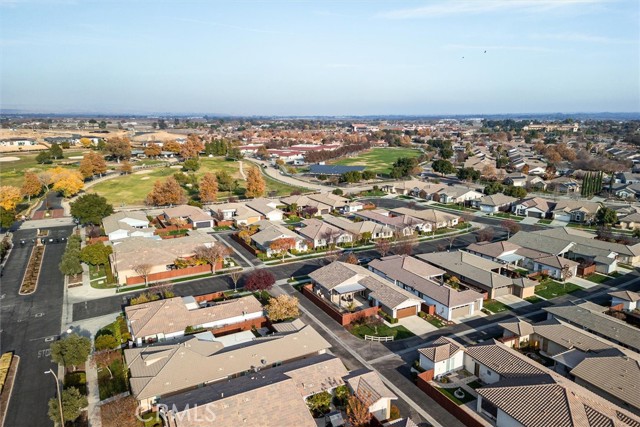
(530, 220)
(417, 325)
(512, 301)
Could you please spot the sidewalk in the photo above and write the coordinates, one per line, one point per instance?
(93, 410)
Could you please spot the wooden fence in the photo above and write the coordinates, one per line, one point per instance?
(172, 274)
(343, 319)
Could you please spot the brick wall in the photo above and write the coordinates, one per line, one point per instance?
(343, 319)
(423, 384)
(247, 325)
(172, 274)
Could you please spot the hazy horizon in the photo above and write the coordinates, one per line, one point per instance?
(284, 58)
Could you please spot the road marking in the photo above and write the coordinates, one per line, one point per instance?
(2, 296)
(38, 315)
(44, 353)
(46, 338)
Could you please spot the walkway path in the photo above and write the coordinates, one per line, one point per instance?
(242, 170)
(93, 395)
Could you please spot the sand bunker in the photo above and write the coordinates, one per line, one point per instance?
(9, 159)
(143, 178)
(143, 172)
(76, 157)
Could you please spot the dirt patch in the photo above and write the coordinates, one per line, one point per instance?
(143, 178)
(143, 172)
(9, 159)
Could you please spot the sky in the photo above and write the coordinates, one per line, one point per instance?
(328, 57)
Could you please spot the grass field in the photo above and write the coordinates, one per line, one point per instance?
(398, 332)
(12, 173)
(379, 160)
(495, 306)
(598, 278)
(133, 189)
(552, 289)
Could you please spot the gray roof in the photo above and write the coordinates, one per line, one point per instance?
(598, 322)
(588, 241)
(415, 273)
(470, 267)
(537, 242)
(317, 229)
(518, 327)
(270, 232)
(497, 199)
(119, 221)
(333, 169)
(441, 349)
(493, 249)
(626, 295)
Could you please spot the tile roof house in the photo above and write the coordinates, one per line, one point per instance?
(337, 202)
(437, 218)
(440, 355)
(425, 281)
(168, 318)
(303, 202)
(370, 390)
(630, 222)
(267, 208)
(591, 317)
(237, 213)
(575, 210)
(495, 203)
(630, 300)
(166, 369)
(270, 232)
(517, 391)
(121, 225)
(322, 234)
(456, 195)
(477, 273)
(159, 255)
(516, 179)
(536, 207)
(338, 281)
(191, 214)
(402, 224)
(377, 231)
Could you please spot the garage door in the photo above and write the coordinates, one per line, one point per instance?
(406, 312)
(460, 311)
(505, 290)
(534, 214)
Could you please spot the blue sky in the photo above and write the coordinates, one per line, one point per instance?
(321, 57)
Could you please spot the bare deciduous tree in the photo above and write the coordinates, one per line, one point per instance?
(143, 270)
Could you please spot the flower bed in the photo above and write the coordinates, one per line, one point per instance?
(30, 279)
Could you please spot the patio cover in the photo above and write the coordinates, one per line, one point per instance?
(509, 258)
(570, 358)
(345, 289)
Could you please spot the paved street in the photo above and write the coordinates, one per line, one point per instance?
(28, 324)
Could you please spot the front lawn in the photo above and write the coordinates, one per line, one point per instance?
(449, 393)
(379, 160)
(101, 276)
(551, 289)
(495, 306)
(533, 299)
(112, 386)
(545, 221)
(597, 278)
(397, 332)
(435, 321)
(508, 216)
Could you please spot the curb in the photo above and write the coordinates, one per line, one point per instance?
(13, 381)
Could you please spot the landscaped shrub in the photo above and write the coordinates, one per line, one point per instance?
(77, 380)
(341, 396)
(319, 404)
(394, 413)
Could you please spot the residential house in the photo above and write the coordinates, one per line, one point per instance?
(628, 178)
(238, 214)
(443, 355)
(425, 281)
(502, 251)
(122, 225)
(360, 229)
(163, 369)
(627, 191)
(168, 318)
(495, 203)
(536, 207)
(516, 179)
(478, 273)
(630, 222)
(157, 256)
(270, 232)
(556, 267)
(436, 218)
(304, 202)
(591, 317)
(575, 211)
(189, 214)
(336, 202)
(401, 224)
(628, 299)
(370, 389)
(535, 183)
(17, 142)
(267, 209)
(322, 234)
(343, 284)
(413, 187)
(564, 184)
(456, 195)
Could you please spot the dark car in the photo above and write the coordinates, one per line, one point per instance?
(364, 260)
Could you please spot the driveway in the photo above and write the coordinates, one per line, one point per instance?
(512, 301)
(530, 220)
(417, 325)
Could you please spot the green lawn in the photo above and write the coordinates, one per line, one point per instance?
(545, 221)
(435, 321)
(508, 216)
(551, 289)
(112, 386)
(398, 332)
(12, 173)
(495, 306)
(379, 160)
(449, 393)
(133, 189)
(533, 299)
(102, 273)
(597, 278)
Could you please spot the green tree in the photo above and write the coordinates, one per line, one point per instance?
(468, 174)
(445, 153)
(367, 175)
(351, 177)
(7, 218)
(191, 164)
(105, 342)
(43, 157)
(443, 166)
(71, 350)
(225, 181)
(70, 263)
(606, 216)
(56, 151)
(73, 402)
(102, 124)
(319, 403)
(96, 254)
(493, 188)
(91, 209)
(338, 192)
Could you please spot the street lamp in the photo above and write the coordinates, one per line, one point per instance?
(50, 371)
